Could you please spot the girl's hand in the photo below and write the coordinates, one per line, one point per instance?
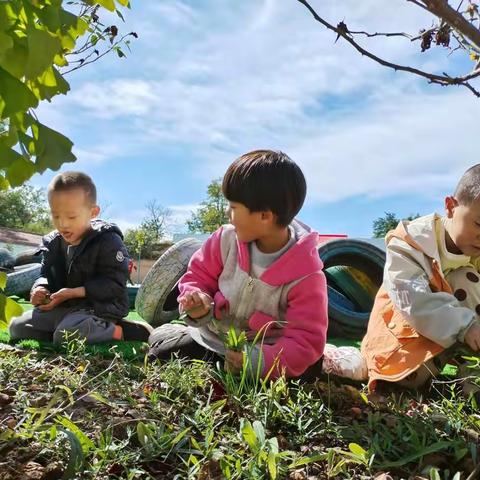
(196, 304)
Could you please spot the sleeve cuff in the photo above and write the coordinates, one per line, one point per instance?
(463, 331)
(200, 322)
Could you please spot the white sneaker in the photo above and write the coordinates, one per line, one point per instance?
(344, 362)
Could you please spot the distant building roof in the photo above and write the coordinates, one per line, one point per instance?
(17, 237)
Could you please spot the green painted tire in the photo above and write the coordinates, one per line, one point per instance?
(370, 260)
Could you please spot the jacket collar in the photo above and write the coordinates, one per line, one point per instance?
(298, 261)
(419, 234)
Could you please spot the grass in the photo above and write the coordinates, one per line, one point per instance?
(92, 414)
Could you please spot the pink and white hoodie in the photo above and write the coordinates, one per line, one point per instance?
(287, 304)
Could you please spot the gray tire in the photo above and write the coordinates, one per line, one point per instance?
(28, 256)
(21, 280)
(156, 300)
(7, 260)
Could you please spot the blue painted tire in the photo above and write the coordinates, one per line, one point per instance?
(21, 280)
(7, 260)
(132, 291)
(350, 287)
(344, 321)
(32, 255)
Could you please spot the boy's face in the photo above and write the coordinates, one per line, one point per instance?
(71, 212)
(464, 229)
(249, 226)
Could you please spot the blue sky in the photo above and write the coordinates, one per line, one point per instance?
(208, 80)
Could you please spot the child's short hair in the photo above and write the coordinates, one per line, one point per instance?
(468, 188)
(266, 180)
(66, 181)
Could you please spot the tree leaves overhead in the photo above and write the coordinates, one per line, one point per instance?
(52, 149)
(37, 41)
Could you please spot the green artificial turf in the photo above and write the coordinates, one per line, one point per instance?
(127, 349)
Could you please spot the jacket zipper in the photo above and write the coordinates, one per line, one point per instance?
(247, 288)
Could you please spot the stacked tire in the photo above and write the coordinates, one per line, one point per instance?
(354, 272)
(156, 300)
(22, 271)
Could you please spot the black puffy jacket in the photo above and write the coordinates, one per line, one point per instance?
(99, 263)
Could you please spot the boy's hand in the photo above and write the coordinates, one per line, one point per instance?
(472, 337)
(196, 304)
(233, 361)
(61, 296)
(38, 296)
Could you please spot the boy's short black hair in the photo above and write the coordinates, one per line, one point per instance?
(266, 180)
(66, 181)
(468, 188)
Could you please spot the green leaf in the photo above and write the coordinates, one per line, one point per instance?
(357, 450)
(76, 458)
(8, 156)
(8, 309)
(50, 17)
(20, 171)
(6, 43)
(259, 431)
(436, 447)
(180, 435)
(3, 280)
(14, 60)
(3, 183)
(85, 443)
(7, 16)
(272, 465)
(49, 84)
(108, 4)
(9, 138)
(319, 457)
(15, 94)
(53, 149)
(143, 433)
(42, 48)
(248, 434)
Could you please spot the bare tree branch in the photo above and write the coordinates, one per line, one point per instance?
(83, 62)
(381, 34)
(342, 31)
(456, 20)
(418, 4)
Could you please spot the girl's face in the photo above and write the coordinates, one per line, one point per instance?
(249, 226)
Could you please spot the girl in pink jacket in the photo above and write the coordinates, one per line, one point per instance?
(261, 274)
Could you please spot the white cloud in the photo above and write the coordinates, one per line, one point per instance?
(244, 75)
(179, 216)
(400, 146)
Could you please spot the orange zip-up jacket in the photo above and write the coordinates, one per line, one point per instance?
(415, 315)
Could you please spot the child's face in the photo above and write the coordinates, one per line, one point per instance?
(249, 226)
(464, 228)
(71, 214)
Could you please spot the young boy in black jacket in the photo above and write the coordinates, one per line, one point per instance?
(84, 273)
